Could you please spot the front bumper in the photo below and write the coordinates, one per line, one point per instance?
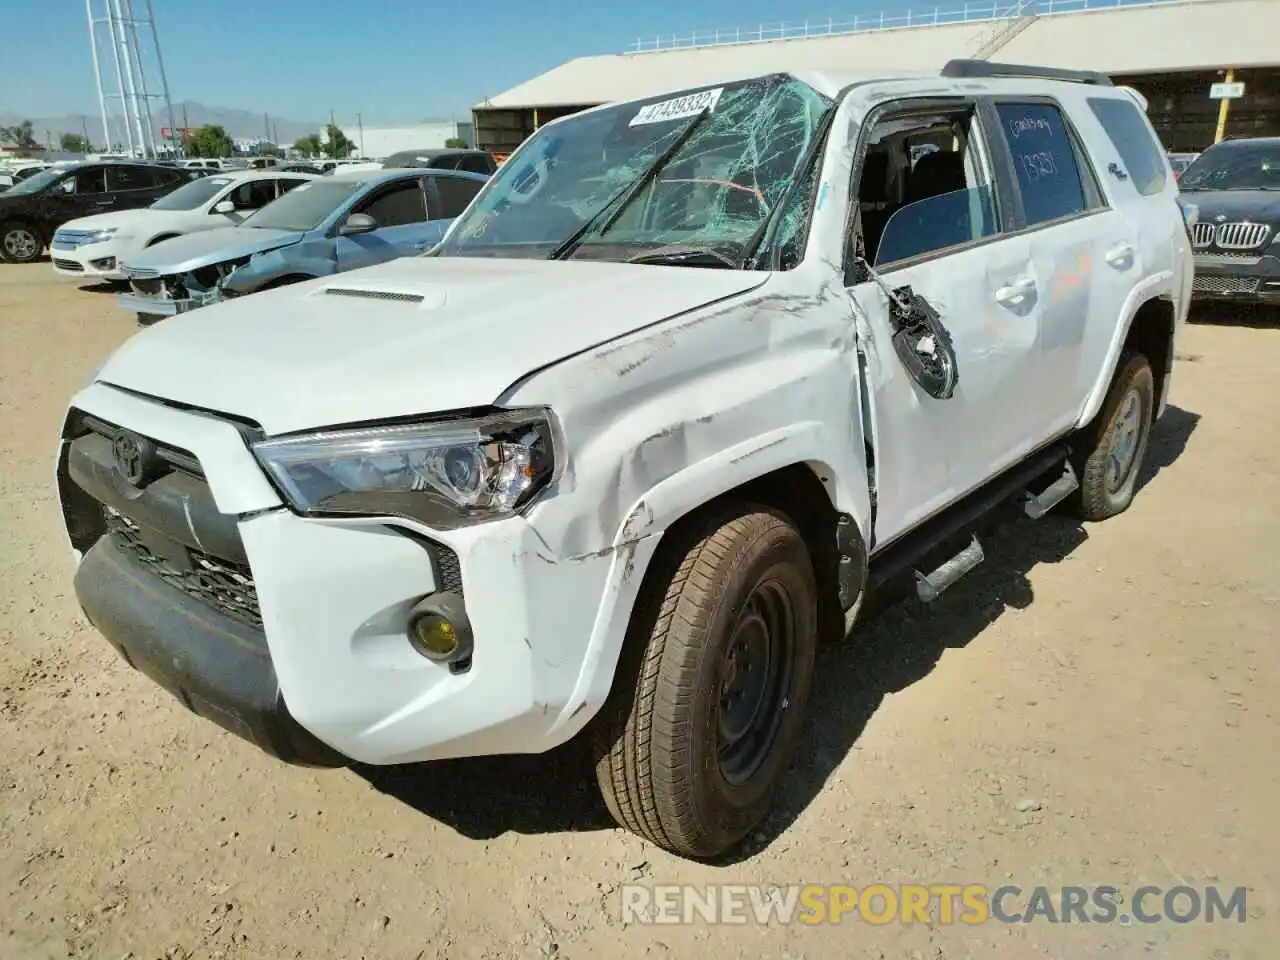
(330, 658)
(91, 261)
(1249, 278)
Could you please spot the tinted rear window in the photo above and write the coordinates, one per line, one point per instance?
(1128, 132)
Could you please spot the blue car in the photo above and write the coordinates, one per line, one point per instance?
(342, 222)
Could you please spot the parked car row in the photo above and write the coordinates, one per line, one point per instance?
(224, 234)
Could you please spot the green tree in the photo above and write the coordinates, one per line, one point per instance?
(21, 135)
(308, 146)
(337, 145)
(210, 140)
(457, 143)
(75, 143)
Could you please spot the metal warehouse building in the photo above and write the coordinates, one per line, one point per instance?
(1172, 51)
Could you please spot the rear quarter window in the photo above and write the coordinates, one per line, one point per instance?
(1130, 134)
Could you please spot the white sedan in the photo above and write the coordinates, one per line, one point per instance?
(94, 247)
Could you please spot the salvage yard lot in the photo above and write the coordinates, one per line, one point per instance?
(1092, 706)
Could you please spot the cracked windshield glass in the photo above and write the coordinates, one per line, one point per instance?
(708, 172)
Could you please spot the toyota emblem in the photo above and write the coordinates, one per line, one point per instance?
(133, 456)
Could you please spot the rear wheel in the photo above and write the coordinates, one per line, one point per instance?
(1113, 449)
(20, 242)
(702, 725)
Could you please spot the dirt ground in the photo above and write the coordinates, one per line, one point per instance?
(1092, 706)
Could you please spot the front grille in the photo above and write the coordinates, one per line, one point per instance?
(227, 587)
(176, 457)
(72, 238)
(1209, 284)
(71, 266)
(139, 273)
(1230, 236)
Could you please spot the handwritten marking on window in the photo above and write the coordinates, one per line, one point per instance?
(1030, 125)
(1039, 165)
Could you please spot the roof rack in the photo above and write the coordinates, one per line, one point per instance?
(973, 69)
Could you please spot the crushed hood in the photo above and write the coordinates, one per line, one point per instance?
(413, 336)
(195, 250)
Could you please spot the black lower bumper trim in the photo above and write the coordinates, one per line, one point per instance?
(216, 666)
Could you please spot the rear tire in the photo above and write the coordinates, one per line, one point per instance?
(700, 728)
(1114, 447)
(20, 242)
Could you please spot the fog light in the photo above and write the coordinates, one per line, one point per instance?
(439, 629)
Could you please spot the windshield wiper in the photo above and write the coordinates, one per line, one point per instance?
(598, 222)
(686, 254)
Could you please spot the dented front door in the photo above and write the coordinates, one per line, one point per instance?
(931, 451)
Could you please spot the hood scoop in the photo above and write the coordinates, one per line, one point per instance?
(397, 295)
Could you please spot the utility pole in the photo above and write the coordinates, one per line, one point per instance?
(266, 127)
(360, 128)
(84, 127)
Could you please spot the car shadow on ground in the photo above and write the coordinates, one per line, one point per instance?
(106, 286)
(1226, 314)
(898, 642)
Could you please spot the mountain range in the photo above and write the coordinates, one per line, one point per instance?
(238, 123)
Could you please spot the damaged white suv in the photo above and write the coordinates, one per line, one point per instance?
(689, 377)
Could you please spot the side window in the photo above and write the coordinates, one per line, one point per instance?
(397, 205)
(285, 184)
(474, 163)
(924, 187)
(1044, 161)
(91, 181)
(130, 178)
(455, 194)
(1129, 133)
(253, 195)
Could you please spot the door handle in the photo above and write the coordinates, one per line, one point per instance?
(1017, 291)
(1120, 256)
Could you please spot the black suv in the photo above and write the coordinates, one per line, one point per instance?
(1234, 190)
(449, 158)
(31, 210)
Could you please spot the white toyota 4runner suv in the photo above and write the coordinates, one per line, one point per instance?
(690, 376)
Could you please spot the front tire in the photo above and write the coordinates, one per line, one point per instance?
(20, 243)
(1114, 448)
(697, 740)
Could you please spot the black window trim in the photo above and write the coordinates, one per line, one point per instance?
(1090, 185)
(1001, 195)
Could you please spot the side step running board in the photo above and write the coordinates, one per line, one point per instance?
(1037, 505)
(929, 586)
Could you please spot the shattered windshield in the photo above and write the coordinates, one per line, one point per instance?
(1237, 166)
(744, 146)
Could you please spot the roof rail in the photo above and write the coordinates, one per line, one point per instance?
(984, 68)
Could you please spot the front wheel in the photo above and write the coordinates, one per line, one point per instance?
(698, 739)
(1114, 448)
(20, 243)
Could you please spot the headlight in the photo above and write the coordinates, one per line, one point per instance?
(445, 474)
(1190, 213)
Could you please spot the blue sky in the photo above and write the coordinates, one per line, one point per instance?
(392, 60)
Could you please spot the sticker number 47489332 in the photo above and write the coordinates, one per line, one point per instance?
(687, 106)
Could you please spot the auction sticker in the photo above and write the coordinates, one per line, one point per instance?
(687, 106)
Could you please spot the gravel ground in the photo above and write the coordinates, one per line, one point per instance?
(1092, 706)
